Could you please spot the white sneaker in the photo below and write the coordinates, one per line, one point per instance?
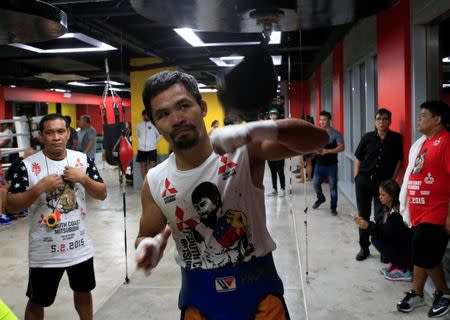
(272, 194)
(282, 193)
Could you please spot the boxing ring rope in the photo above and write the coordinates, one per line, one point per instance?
(291, 211)
(22, 134)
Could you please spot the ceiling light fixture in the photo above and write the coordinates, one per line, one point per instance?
(446, 59)
(81, 84)
(275, 37)
(94, 84)
(96, 45)
(222, 61)
(190, 37)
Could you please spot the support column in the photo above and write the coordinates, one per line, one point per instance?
(137, 80)
(394, 68)
(338, 87)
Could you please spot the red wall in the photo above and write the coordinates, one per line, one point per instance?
(318, 90)
(94, 112)
(8, 110)
(445, 96)
(300, 98)
(37, 95)
(338, 87)
(86, 104)
(394, 73)
(2, 103)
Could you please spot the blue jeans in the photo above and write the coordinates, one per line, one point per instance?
(321, 173)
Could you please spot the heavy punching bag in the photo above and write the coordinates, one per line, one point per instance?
(112, 133)
(250, 85)
(112, 128)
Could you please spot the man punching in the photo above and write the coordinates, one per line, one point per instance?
(210, 226)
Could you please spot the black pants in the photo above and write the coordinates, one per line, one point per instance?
(277, 167)
(397, 253)
(366, 190)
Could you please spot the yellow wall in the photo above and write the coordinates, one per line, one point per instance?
(51, 107)
(70, 109)
(67, 109)
(215, 111)
(137, 80)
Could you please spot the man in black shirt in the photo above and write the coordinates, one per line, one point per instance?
(378, 158)
(72, 143)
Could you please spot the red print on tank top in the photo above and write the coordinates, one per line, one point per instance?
(169, 193)
(191, 223)
(78, 163)
(36, 168)
(223, 169)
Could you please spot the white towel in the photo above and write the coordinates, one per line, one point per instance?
(403, 198)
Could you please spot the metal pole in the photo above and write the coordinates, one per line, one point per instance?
(124, 204)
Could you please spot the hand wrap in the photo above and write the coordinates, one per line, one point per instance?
(231, 137)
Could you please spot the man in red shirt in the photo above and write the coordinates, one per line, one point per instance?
(428, 194)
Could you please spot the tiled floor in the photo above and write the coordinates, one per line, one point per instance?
(339, 287)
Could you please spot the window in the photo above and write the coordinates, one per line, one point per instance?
(360, 104)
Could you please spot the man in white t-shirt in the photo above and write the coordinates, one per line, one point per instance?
(148, 136)
(210, 194)
(53, 184)
(5, 136)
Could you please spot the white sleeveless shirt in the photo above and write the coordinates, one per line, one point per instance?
(216, 214)
(68, 243)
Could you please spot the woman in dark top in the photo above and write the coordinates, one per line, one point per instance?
(390, 235)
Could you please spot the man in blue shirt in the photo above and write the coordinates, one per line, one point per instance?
(326, 163)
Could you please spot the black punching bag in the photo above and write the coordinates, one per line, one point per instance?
(250, 85)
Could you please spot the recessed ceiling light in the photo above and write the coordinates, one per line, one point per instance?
(446, 85)
(12, 86)
(59, 90)
(96, 45)
(205, 90)
(222, 61)
(190, 37)
(276, 60)
(446, 60)
(121, 89)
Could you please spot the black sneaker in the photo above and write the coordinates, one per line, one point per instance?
(362, 254)
(441, 305)
(333, 211)
(318, 203)
(410, 302)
